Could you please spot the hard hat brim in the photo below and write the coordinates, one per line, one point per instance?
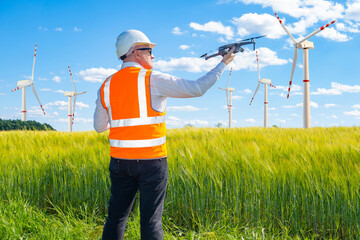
(152, 45)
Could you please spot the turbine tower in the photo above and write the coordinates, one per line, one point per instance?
(266, 82)
(229, 98)
(71, 111)
(305, 45)
(27, 83)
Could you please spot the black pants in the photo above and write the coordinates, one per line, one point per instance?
(127, 177)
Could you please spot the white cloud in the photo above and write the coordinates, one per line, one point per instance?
(311, 10)
(263, 24)
(184, 109)
(309, 13)
(244, 60)
(76, 29)
(222, 40)
(237, 97)
(173, 121)
(248, 91)
(312, 104)
(353, 113)
(329, 105)
(197, 122)
(281, 120)
(214, 27)
(56, 79)
(63, 105)
(184, 47)
(34, 111)
(356, 106)
(42, 28)
(332, 34)
(80, 105)
(60, 91)
(353, 28)
(188, 64)
(82, 120)
(333, 116)
(250, 120)
(96, 74)
(294, 88)
(55, 113)
(353, 10)
(59, 29)
(177, 31)
(337, 89)
(45, 89)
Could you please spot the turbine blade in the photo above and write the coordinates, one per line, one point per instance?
(80, 93)
(292, 70)
(257, 88)
(72, 79)
(32, 75)
(33, 88)
(228, 78)
(73, 112)
(15, 89)
(272, 85)
(286, 30)
(316, 31)
(257, 60)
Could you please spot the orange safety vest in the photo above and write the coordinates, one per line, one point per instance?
(136, 130)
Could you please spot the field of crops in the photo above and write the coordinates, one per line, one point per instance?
(241, 183)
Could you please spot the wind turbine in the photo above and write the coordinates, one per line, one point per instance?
(71, 114)
(229, 98)
(27, 83)
(305, 45)
(266, 82)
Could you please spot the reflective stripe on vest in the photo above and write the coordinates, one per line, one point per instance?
(137, 143)
(136, 130)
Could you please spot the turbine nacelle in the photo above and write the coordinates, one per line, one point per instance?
(304, 44)
(70, 94)
(265, 81)
(227, 89)
(24, 83)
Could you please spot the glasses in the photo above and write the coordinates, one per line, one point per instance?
(145, 49)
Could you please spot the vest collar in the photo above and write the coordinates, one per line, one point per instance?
(131, 64)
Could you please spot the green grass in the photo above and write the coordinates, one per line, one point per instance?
(249, 183)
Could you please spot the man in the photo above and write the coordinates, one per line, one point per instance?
(131, 103)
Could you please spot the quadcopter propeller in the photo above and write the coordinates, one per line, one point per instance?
(252, 38)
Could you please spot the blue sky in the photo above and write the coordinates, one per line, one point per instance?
(82, 34)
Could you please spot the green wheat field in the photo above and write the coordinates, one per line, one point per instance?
(241, 183)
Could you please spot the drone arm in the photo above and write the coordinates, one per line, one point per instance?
(214, 55)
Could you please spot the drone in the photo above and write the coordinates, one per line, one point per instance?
(223, 50)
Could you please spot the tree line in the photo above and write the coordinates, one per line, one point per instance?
(6, 125)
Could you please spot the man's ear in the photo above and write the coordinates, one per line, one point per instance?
(136, 54)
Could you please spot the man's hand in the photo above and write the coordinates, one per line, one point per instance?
(229, 56)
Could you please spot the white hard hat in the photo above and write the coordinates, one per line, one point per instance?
(128, 39)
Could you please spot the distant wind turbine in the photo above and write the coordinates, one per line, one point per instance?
(305, 45)
(266, 82)
(27, 83)
(229, 98)
(71, 114)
